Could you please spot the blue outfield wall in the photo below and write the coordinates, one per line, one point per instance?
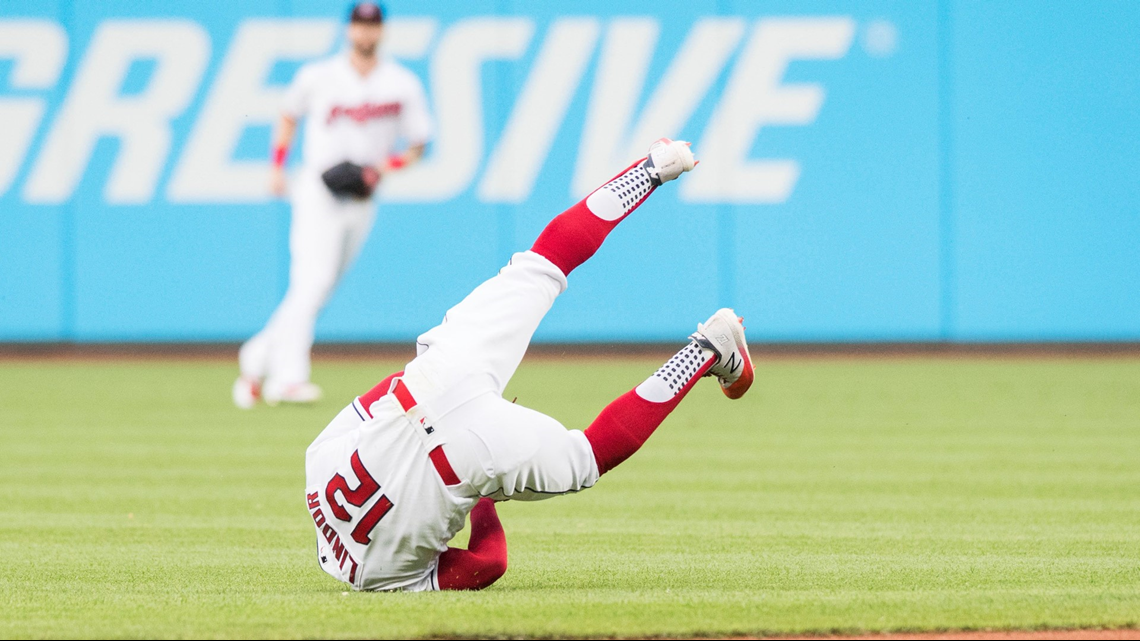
(881, 171)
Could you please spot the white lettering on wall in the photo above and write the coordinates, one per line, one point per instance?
(457, 95)
(625, 111)
(613, 136)
(38, 49)
(240, 98)
(539, 111)
(94, 108)
(755, 98)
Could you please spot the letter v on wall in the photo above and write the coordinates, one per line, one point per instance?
(607, 140)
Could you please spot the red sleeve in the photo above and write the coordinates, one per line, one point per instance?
(485, 559)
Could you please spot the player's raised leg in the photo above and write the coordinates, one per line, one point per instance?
(718, 348)
(506, 451)
(483, 339)
(573, 237)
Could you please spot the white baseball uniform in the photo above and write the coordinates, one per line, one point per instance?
(347, 117)
(392, 478)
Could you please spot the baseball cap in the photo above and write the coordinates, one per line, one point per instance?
(366, 12)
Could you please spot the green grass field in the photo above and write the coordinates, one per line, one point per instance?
(840, 495)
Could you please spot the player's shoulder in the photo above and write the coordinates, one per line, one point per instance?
(319, 68)
(397, 72)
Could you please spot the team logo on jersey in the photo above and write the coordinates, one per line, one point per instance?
(367, 111)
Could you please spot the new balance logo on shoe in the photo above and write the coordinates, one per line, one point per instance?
(734, 363)
(724, 335)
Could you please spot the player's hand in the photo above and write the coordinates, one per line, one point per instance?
(371, 175)
(392, 163)
(278, 185)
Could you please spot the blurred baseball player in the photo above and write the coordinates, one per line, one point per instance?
(358, 106)
(392, 478)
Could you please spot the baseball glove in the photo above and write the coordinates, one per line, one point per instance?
(351, 180)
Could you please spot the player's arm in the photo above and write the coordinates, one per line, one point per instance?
(485, 559)
(395, 162)
(282, 141)
(410, 156)
(414, 126)
(294, 107)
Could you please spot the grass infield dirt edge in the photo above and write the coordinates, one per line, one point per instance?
(43, 351)
(1078, 634)
(1130, 632)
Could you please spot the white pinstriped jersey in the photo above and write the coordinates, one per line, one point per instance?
(383, 514)
(356, 118)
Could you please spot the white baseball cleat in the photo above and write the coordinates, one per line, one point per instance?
(668, 159)
(246, 392)
(723, 333)
(299, 393)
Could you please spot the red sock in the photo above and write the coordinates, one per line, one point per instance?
(575, 234)
(485, 559)
(625, 424)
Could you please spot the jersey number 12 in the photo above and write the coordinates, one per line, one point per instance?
(366, 490)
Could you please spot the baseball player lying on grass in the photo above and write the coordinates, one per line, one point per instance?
(391, 479)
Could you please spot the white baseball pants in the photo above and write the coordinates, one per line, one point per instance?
(502, 450)
(325, 236)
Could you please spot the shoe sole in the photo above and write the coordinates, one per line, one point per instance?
(741, 385)
(684, 153)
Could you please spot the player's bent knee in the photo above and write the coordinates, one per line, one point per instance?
(467, 570)
(494, 570)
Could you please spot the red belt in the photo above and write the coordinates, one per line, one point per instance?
(407, 401)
